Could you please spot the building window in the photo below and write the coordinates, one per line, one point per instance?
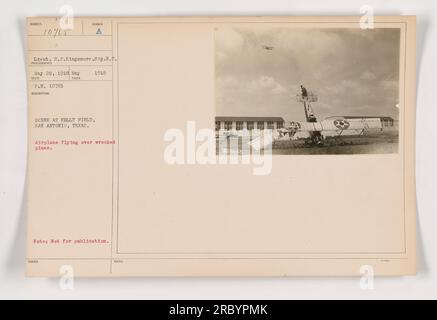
(228, 125)
(260, 125)
(217, 126)
(250, 125)
(279, 124)
(270, 125)
(239, 125)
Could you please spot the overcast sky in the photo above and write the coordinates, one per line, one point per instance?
(353, 71)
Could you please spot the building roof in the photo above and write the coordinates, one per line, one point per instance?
(249, 119)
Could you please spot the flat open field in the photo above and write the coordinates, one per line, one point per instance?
(380, 144)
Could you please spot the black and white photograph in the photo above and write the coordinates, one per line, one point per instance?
(317, 91)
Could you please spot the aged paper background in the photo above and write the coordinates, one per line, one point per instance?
(194, 219)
